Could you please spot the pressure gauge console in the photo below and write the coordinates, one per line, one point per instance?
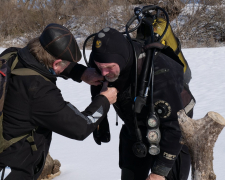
(154, 150)
(153, 136)
(152, 121)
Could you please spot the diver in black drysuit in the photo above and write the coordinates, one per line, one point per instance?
(168, 87)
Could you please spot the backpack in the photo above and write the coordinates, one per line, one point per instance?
(5, 72)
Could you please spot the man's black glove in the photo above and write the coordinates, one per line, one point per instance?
(102, 133)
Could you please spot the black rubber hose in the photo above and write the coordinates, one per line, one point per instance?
(147, 8)
(138, 134)
(148, 58)
(151, 7)
(135, 56)
(84, 46)
(85, 42)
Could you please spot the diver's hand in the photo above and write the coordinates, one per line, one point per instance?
(109, 92)
(153, 176)
(92, 77)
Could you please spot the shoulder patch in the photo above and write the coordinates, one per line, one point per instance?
(98, 44)
(169, 156)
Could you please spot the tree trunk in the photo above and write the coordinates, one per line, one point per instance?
(51, 169)
(200, 137)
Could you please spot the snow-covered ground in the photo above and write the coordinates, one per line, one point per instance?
(88, 161)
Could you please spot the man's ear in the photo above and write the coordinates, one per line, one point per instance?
(56, 65)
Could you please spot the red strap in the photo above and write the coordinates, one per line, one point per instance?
(2, 73)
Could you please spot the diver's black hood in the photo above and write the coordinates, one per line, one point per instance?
(128, 71)
(29, 61)
(110, 46)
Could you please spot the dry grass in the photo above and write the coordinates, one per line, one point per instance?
(27, 18)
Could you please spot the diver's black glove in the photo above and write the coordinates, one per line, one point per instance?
(102, 132)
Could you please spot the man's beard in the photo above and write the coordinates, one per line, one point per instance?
(112, 79)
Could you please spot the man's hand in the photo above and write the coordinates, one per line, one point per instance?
(155, 177)
(109, 93)
(92, 77)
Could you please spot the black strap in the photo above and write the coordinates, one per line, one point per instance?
(154, 45)
(177, 51)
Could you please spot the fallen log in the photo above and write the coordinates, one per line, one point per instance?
(51, 169)
(200, 137)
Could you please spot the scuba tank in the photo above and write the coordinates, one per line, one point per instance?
(169, 39)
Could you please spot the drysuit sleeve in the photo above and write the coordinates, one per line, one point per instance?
(170, 134)
(167, 91)
(49, 110)
(74, 71)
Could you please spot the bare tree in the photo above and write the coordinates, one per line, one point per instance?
(173, 7)
(203, 23)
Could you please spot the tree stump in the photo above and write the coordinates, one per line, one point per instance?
(51, 169)
(200, 137)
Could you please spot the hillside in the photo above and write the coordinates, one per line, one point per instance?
(198, 25)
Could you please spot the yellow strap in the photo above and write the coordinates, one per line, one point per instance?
(21, 71)
(14, 140)
(30, 139)
(8, 55)
(14, 63)
(163, 42)
(27, 72)
(34, 147)
(5, 144)
(1, 134)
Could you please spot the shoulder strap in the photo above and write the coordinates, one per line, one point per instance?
(21, 71)
(14, 63)
(8, 55)
(4, 143)
(27, 72)
(154, 45)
